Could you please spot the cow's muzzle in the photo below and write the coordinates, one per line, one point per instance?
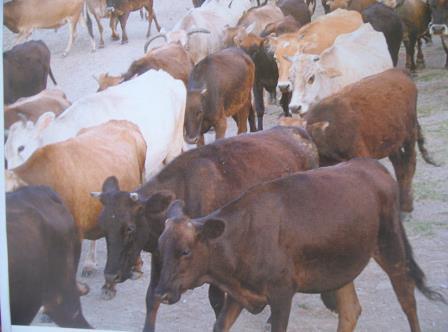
(438, 29)
(284, 87)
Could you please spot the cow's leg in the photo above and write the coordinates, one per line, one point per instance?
(72, 22)
(113, 26)
(100, 29)
(404, 162)
(280, 310)
(228, 315)
(90, 261)
(152, 303)
(123, 19)
(348, 308)
(284, 102)
(420, 57)
(151, 16)
(394, 255)
(259, 104)
(220, 128)
(445, 47)
(410, 50)
(216, 298)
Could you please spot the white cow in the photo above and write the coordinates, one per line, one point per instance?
(201, 30)
(154, 101)
(352, 57)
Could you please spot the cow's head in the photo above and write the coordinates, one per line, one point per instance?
(105, 81)
(284, 48)
(183, 247)
(24, 138)
(311, 75)
(439, 17)
(130, 223)
(194, 114)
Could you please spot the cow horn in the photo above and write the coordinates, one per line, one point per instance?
(134, 196)
(96, 194)
(160, 35)
(22, 117)
(198, 30)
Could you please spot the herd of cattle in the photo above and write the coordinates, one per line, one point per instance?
(252, 215)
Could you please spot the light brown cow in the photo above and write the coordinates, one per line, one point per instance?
(171, 57)
(30, 108)
(78, 166)
(312, 38)
(22, 16)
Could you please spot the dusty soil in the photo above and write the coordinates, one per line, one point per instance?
(427, 227)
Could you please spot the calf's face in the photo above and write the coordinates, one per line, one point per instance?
(439, 17)
(194, 115)
(184, 249)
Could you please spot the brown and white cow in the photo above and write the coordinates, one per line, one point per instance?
(170, 57)
(22, 16)
(309, 232)
(120, 9)
(205, 178)
(113, 148)
(31, 108)
(25, 70)
(43, 255)
(219, 87)
(439, 23)
(375, 117)
(312, 38)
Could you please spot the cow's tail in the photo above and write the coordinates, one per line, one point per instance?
(416, 273)
(421, 147)
(52, 77)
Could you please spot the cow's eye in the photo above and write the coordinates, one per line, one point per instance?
(21, 148)
(311, 79)
(185, 252)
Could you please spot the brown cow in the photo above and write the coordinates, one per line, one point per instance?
(171, 57)
(31, 108)
(120, 9)
(43, 255)
(205, 178)
(22, 16)
(114, 148)
(297, 9)
(219, 86)
(375, 117)
(25, 70)
(309, 232)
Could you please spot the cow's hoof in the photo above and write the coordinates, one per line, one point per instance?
(88, 271)
(136, 275)
(124, 42)
(421, 65)
(101, 44)
(83, 288)
(405, 216)
(115, 38)
(44, 318)
(108, 293)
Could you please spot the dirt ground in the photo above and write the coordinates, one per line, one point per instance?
(427, 227)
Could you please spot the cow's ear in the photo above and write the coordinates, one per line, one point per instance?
(159, 202)
(175, 209)
(332, 72)
(111, 184)
(211, 229)
(44, 121)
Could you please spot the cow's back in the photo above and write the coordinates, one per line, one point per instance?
(211, 175)
(78, 166)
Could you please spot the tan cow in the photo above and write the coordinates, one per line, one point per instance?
(171, 57)
(312, 38)
(22, 16)
(78, 166)
(30, 108)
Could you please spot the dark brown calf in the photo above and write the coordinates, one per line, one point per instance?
(205, 178)
(120, 9)
(375, 117)
(44, 249)
(310, 232)
(219, 87)
(25, 70)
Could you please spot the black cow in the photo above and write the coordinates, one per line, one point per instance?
(25, 70)
(44, 250)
